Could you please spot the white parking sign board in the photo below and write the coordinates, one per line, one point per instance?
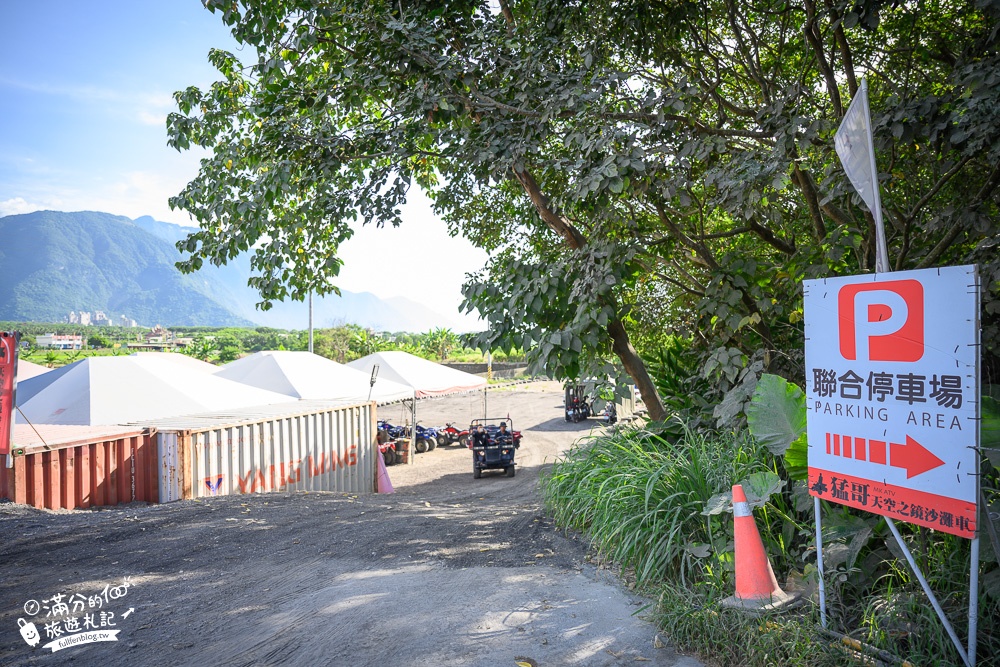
(892, 389)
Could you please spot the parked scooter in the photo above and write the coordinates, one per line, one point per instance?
(577, 409)
(610, 414)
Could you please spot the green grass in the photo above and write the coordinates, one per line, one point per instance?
(639, 497)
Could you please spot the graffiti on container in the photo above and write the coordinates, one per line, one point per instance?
(73, 619)
(278, 476)
(214, 488)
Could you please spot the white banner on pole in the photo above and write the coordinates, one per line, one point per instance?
(856, 149)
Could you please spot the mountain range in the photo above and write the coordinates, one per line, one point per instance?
(54, 262)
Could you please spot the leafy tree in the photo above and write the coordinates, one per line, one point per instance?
(98, 341)
(631, 166)
(349, 104)
(200, 348)
(363, 342)
(333, 344)
(440, 342)
(230, 353)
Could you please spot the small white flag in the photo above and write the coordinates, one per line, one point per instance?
(852, 142)
(857, 153)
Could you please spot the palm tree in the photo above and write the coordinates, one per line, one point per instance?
(200, 349)
(440, 342)
(363, 343)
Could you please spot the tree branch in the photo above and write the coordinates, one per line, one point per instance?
(937, 186)
(558, 223)
(812, 36)
(845, 49)
(805, 183)
(949, 238)
(768, 236)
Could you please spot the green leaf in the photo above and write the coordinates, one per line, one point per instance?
(777, 413)
(719, 503)
(698, 549)
(796, 459)
(760, 486)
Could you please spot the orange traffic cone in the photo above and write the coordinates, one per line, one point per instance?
(756, 587)
(383, 485)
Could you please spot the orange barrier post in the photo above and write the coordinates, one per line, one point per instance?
(756, 587)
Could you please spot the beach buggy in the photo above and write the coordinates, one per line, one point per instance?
(495, 449)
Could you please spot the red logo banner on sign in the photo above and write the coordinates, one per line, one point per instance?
(8, 383)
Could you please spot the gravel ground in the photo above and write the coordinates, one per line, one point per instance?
(449, 570)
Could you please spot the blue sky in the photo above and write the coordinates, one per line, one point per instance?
(85, 89)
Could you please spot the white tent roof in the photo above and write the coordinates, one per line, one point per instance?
(180, 359)
(26, 370)
(310, 376)
(123, 390)
(426, 377)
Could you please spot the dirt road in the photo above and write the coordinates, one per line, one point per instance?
(447, 571)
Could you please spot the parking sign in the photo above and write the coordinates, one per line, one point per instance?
(892, 389)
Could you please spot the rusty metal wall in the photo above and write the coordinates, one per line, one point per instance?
(118, 468)
(323, 449)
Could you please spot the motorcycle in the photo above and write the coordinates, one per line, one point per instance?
(427, 439)
(449, 433)
(578, 409)
(387, 431)
(610, 414)
(389, 453)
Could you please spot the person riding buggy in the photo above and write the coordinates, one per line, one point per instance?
(493, 446)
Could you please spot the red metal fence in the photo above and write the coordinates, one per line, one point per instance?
(79, 467)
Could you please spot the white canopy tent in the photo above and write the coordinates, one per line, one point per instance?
(180, 359)
(27, 370)
(124, 390)
(426, 377)
(309, 376)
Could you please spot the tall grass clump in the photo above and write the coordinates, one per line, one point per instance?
(640, 495)
(649, 502)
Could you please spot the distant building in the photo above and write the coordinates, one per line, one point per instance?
(159, 335)
(60, 341)
(83, 317)
(99, 318)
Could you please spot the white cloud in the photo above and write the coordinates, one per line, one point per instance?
(148, 118)
(16, 206)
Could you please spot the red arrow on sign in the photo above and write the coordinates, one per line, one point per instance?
(912, 456)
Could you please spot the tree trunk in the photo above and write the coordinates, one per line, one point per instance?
(620, 342)
(634, 366)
